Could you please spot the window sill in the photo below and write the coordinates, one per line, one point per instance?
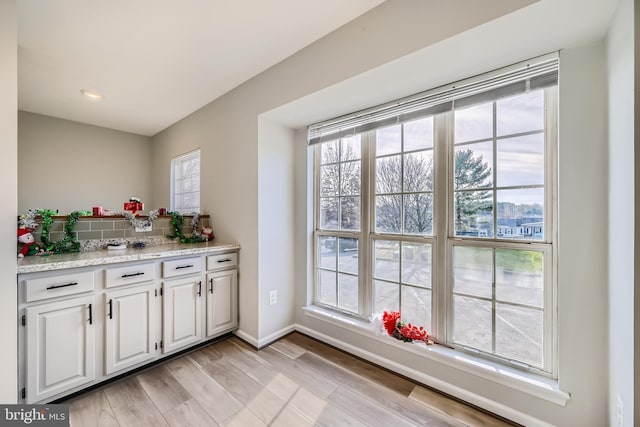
(526, 382)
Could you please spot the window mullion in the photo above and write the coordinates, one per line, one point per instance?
(365, 292)
(442, 194)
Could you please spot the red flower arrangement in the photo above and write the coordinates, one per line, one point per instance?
(405, 332)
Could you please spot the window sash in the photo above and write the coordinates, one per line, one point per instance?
(181, 191)
(443, 239)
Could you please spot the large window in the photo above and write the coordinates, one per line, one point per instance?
(185, 183)
(446, 213)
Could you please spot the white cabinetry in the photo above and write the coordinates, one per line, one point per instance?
(84, 325)
(182, 312)
(222, 301)
(60, 342)
(130, 327)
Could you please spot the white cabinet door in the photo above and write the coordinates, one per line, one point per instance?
(60, 343)
(222, 301)
(182, 312)
(130, 327)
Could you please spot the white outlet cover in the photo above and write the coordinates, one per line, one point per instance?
(142, 229)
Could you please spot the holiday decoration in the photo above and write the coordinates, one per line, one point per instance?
(133, 205)
(207, 233)
(135, 222)
(30, 246)
(404, 331)
(177, 221)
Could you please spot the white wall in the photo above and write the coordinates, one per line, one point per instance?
(231, 133)
(71, 166)
(8, 195)
(275, 229)
(620, 69)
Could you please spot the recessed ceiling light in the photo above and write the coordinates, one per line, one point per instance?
(92, 94)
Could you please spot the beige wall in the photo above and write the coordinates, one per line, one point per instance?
(70, 166)
(8, 195)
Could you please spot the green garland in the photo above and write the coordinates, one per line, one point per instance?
(177, 221)
(69, 242)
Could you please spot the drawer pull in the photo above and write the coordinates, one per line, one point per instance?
(132, 275)
(211, 288)
(224, 260)
(62, 286)
(111, 309)
(90, 315)
(184, 266)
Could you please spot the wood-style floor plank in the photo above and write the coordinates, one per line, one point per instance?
(131, 405)
(92, 409)
(364, 369)
(466, 414)
(297, 381)
(215, 399)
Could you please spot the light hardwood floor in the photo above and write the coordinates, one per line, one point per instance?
(296, 381)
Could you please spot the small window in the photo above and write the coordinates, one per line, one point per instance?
(185, 183)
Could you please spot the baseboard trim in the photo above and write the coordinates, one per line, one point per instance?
(265, 341)
(458, 392)
(250, 339)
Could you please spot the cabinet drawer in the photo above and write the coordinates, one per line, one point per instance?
(181, 267)
(58, 286)
(129, 274)
(222, 261)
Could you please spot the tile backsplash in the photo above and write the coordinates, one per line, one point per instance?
(94, 232)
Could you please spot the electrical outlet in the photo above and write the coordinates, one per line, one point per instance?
(141, 229)
(619, 407)
(273, 297)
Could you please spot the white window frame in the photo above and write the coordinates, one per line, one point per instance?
(443, 238)
(175, 163)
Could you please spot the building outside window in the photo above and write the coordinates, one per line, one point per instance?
(185, 183)
(441, 206)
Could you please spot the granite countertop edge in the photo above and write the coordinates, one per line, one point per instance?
(35, 264)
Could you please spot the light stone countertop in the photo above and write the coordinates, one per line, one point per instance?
(34, 264)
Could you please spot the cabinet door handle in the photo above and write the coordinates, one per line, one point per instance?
(90, 315)
(62, 286)
(132, 275)
(110, 309)
(211, 288)
(224, 260)
(184, 266)
(200, 288)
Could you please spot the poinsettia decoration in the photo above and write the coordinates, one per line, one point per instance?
(404, 332)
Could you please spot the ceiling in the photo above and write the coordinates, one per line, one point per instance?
(157, 61)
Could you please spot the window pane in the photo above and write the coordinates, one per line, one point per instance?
(350, 148)
(386, 296)
(350, 178)
(519, 334)
(350, 213)
(386, 260)
(416, 264)
(416, 307)
(473, 271)
(473, 212)
(327, 252)
(389, 175)
(522, 113)
(327, 287)
(329, 180)
(520, 276)
(418, 134)
(473, 166)
(348, 256)
(329, 213)
(418, 171)
(521, 213)
(388, 140)
(329, 152)
(418, 213)
(474, 123)
(348, 292)
(472, 322)
(521, 161)
(388, 214)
